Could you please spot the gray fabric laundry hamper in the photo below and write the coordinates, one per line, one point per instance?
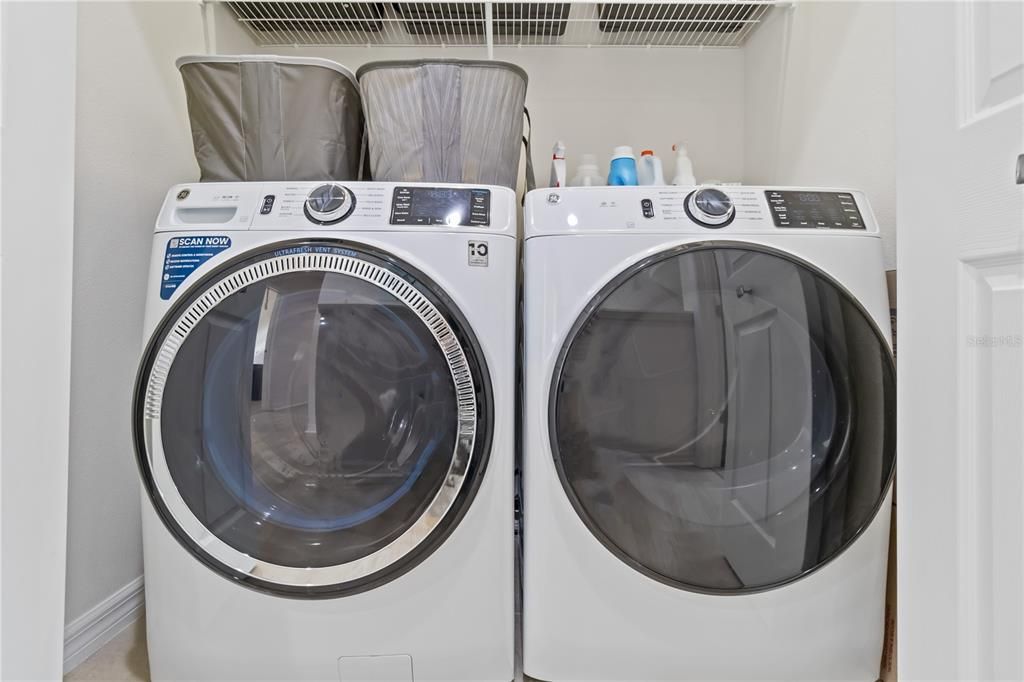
(445, 120)
(264, 117)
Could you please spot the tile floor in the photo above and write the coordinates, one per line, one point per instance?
(123, 659)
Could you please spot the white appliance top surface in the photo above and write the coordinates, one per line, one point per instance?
(761, 210)
(378, 207)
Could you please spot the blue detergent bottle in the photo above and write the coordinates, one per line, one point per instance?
(623, 167)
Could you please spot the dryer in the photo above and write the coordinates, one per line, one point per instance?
(323, 421)
(709, 434)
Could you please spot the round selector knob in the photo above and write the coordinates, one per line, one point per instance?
(329, 204)
(710, 207)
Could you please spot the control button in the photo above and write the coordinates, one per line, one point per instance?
(329, 204)
(710, 207)
(647, 206)
(268, 204)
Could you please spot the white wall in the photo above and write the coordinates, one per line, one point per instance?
(133, 142)
(820, 98)
(594, 99)
(37, 127)
(814, 110)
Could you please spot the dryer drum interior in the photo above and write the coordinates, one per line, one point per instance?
(722, 417)
(313, 419)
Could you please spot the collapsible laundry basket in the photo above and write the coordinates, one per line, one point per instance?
(448, 120)
(273, 118)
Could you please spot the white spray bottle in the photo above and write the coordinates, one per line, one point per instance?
(558, 165)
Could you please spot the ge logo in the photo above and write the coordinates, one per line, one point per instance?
(478, 252)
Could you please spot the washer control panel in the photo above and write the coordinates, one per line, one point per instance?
(710, 207)
(339, 206)
(319, 204)
(328, 204)
(814, 210)
(452, 206)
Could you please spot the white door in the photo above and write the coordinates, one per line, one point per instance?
(960, 116)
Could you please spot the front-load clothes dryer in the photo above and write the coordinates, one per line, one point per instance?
(324, 422)
(709, 435)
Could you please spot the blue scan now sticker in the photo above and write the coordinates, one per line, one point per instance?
(184, 255)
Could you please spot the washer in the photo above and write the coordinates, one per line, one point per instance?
(709, 434)
(324, 425)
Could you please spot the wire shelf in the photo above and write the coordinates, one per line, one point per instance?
(715, 24)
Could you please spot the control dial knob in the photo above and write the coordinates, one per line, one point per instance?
(710, 207)
(329, 204)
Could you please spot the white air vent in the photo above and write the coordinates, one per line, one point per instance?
(582, 24)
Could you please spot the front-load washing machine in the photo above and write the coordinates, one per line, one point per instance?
(709, 435)
(324, 428)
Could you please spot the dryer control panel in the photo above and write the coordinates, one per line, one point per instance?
(706, 210)
(814, 210)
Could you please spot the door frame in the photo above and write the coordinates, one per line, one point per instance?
(38, 44)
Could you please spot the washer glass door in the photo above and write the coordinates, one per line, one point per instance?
(312, 420)
(722, 418)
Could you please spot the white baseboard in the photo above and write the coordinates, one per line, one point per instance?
(87, 634)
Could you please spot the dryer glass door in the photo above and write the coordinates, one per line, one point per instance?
(313, 420)
(722, 418)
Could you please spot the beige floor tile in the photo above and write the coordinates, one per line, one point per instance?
(123, 659)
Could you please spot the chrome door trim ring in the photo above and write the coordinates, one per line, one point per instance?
(472, 442)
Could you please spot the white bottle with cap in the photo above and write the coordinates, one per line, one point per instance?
(684, 167)
(587, 173)
(648, 169)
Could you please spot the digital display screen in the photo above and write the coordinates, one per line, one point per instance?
(818, 210)
(440, 206)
